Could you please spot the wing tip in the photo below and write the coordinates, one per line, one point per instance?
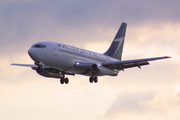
(12, 63)
(168, 57)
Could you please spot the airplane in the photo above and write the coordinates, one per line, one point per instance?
(55, 60)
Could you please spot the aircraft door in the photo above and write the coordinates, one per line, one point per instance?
(55, 50)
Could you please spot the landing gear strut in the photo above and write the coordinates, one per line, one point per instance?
(93, 78)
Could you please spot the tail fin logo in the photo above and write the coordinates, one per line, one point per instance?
(116, 48)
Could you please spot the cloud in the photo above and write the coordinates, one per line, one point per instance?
(160, 104)
(178, 94)
(130, 103)
(153, 30)
(71, 21)
(7, 3)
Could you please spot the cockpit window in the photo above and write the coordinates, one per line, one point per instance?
(39, 45)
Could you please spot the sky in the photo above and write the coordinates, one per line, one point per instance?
(152, 92)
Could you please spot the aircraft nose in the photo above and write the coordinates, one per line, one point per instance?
(32, 54)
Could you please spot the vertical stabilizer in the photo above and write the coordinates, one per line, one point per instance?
(116, 48)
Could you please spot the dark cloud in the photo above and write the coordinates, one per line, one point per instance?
(23, 23)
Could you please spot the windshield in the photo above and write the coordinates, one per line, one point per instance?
(39, 45)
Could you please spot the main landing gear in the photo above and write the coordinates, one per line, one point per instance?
(93, 78)
(64, 80)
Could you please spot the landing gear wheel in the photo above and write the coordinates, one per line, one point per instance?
(62, 80)
(66, 80)
(91, 79)
(95, 79)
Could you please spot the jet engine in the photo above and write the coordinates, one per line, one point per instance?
(101, 70)
(48, 72)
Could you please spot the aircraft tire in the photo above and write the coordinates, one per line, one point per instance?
(62, 80)
(66, 80)
(91, 79)
(95, 79)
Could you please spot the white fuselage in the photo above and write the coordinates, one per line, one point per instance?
(63, 57)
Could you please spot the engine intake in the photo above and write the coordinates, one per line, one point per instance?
(101, 70)
(94, 67)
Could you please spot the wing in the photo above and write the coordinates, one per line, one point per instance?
(48, 69)
(24, 65)
(121, 65)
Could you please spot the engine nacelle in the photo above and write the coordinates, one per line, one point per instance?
(48, 72)
(101, 70)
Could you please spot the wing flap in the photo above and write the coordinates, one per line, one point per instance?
(130, 65)
(120, 65)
